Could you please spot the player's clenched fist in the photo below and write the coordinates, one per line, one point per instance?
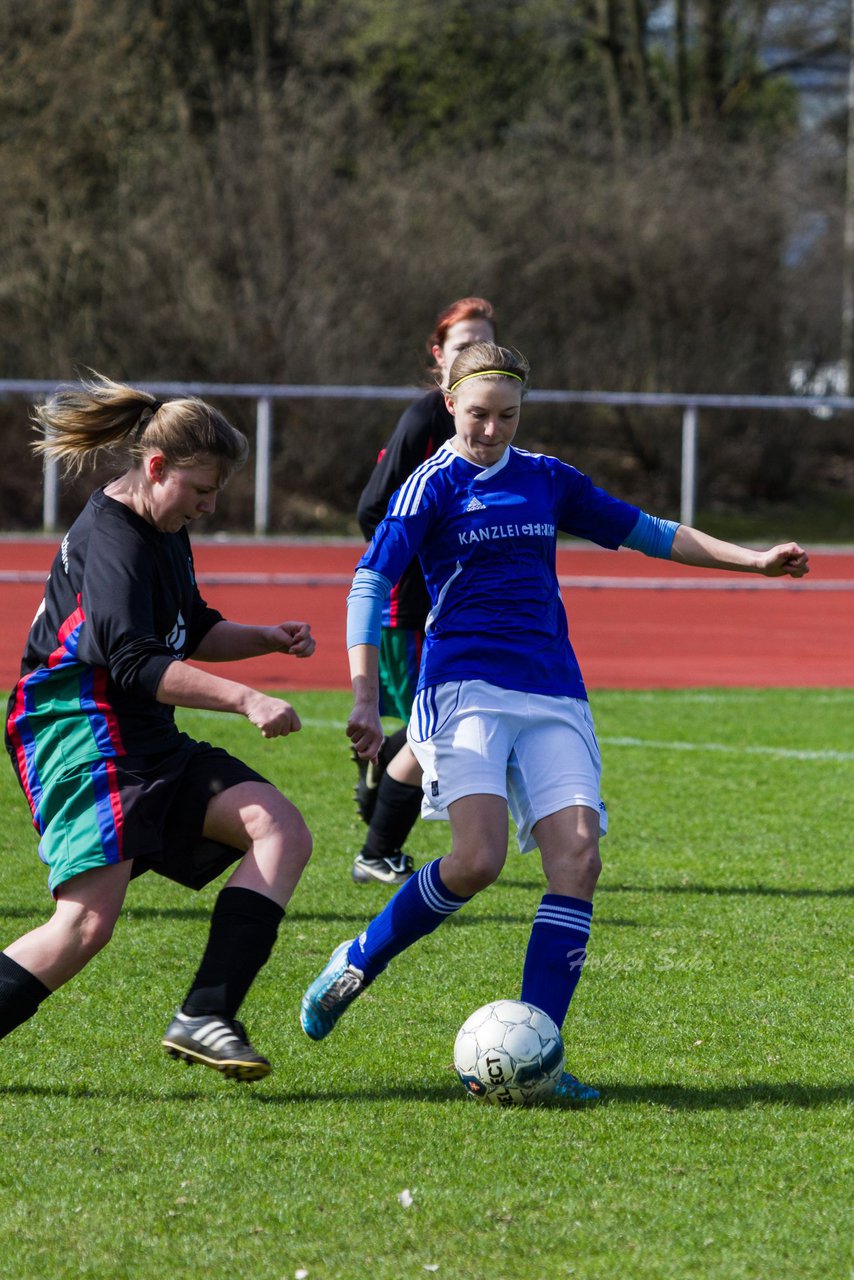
(273, 716)
(786, 560)
(294, 638)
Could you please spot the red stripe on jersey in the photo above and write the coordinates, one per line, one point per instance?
(99, 678)
(99, 692)
(116, 806)
(68, 627)
(18, 712)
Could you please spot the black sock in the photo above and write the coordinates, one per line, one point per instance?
(394, 743)
(395, 814)
(21, 993)
(243, 929)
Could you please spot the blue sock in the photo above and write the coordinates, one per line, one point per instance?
(419, 906)
(556, 953)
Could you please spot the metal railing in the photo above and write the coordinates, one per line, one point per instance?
(264, 395)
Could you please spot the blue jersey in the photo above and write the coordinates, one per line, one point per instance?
(486, 539)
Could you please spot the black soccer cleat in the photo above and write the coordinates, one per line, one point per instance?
(395, 869)
(212, 1041)
(367, 786)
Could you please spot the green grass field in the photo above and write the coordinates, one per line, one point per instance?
(714, 1014)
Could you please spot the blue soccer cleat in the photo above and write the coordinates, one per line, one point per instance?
(333, 990)
(573, 1090)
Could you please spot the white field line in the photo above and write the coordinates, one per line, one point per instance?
(574, 582)
(777, 753)
(644, 744)
(722, 695)
(737, 582)
(219, 579)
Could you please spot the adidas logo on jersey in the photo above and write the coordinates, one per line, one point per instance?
(476, 505)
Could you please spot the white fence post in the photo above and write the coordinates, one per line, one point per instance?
(689, 465)
(50, 496)
(263, 439)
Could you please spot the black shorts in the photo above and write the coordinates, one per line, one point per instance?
(192, 779)
(148, 809)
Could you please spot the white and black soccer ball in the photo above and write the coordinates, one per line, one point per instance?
(509, 1053)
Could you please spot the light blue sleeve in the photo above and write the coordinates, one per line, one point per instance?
(365, 607)
(652, 536)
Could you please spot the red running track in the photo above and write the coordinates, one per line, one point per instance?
(635, 623)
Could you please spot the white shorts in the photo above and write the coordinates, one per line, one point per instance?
(537, 751)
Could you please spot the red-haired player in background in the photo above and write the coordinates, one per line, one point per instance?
(388, 793)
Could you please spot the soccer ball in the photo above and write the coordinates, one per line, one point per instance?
(509, 1052)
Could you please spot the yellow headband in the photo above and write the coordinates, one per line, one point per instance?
(485, 373)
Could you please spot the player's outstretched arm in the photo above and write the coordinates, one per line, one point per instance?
(693, 547)
(185, 686)
(229, 641)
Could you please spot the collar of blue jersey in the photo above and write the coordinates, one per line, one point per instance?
(484, 473)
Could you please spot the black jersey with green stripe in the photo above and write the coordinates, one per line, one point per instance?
(120, 605)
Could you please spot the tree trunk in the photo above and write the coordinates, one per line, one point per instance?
(681, 100)
(638, 18)
(610, 47)
(712, 83)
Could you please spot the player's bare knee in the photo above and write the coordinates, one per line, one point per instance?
(483, 876)
(298, 841)
(277, 820)
(471, 871)
(289, 831)
(574, 871)
(591, 861)
(91, 931)
(588, 865)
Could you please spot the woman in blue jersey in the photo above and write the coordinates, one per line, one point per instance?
(500, 717)
(114, 787)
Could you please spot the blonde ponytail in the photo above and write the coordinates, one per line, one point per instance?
(97, 415)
